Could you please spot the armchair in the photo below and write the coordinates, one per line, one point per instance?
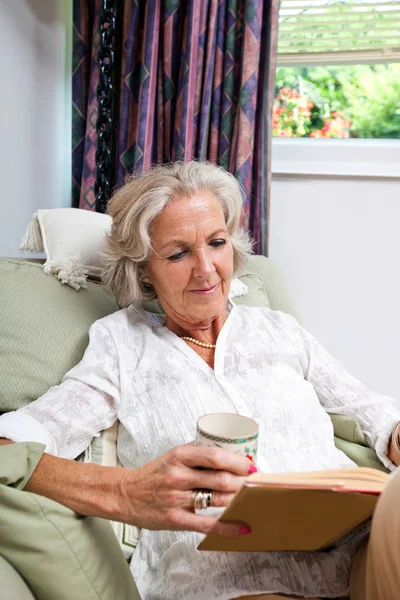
(43, 332)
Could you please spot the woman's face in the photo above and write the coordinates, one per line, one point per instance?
(192, 260)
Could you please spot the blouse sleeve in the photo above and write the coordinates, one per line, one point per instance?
(69, 415)
(342, 394)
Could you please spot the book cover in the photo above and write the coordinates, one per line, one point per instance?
(299, 511)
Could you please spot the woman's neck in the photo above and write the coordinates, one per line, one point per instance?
(206, 332)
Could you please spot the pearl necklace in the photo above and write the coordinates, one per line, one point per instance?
(199, 343)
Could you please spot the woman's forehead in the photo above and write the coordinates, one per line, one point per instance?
(200, 211)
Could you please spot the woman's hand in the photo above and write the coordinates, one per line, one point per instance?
(160, 494)
(156, 496)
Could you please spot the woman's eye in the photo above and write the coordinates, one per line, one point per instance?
(218, 243)
(177, 255)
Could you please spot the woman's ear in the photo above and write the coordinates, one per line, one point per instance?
(146, 277)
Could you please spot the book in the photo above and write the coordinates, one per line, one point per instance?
(299, 511)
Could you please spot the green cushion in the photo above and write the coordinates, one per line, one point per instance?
(43, 329)
(350, 439)
(13, 586)
(362, 456)
(348, 428)
(273, 285)
(257, 295)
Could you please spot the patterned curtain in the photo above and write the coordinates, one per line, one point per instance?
(196, 80)
(85, 76)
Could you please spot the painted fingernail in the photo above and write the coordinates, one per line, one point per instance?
(252, 469)
(244, 530)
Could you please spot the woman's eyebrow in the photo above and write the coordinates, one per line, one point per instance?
(177, 242)
(221, 230)
(173, 243)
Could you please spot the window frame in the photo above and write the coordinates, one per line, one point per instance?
(336, 157)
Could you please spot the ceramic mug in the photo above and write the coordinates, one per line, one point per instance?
(230, 431)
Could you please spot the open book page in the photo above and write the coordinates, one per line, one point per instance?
(353, 479)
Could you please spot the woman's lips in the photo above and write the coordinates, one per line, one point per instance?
(205, 291)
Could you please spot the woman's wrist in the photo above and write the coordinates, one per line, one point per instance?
(87, 489)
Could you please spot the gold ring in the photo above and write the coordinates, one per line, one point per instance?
(201, 499)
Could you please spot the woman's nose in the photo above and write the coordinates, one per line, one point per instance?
(203, 265)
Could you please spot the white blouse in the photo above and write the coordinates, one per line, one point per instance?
(266, 367)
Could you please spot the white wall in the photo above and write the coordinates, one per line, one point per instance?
(337, 241)
(35, 112)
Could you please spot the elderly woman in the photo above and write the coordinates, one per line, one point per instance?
(176, 237)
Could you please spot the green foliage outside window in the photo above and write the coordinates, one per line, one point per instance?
(360, 101)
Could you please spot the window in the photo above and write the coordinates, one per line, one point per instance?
(338, 69)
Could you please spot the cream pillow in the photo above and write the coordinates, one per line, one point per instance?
(72, 240)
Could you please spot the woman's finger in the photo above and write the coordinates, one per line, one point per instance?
(209, 525)
(219, 481)
(211, 458)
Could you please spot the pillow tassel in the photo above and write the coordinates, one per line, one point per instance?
(69, 271)
(238, 288)
(32, 240)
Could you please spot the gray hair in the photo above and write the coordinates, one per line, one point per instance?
(136, 204)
